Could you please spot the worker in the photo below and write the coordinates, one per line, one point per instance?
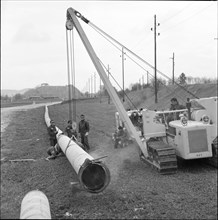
(134, 117)
(174, 106)
(72, 133)
(54, 148)
(70, 130)
(120, 137)
(54, 151)
(52, 131)
(84, 132)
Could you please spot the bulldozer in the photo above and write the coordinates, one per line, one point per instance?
(193, 136)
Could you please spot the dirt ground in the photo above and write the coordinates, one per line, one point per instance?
(135, 191)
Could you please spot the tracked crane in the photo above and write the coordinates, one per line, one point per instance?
(161, 142)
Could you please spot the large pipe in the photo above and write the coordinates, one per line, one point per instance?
(93, 175)
(35, 205)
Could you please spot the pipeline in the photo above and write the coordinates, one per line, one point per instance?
(94, 176)
(35, 205)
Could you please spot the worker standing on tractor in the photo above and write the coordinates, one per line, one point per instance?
(174, 106)
(134, 117)
(84, 132)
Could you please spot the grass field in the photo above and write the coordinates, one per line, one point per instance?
(136, 190)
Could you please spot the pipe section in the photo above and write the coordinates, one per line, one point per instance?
(93, 175)
(35, 205)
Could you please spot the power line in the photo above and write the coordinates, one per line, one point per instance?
(177, 13)
(176, 25)
(108, 36)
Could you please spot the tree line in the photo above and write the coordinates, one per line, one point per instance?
(16, 97)
(182, 80)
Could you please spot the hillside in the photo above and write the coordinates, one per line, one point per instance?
(136, 190)
(145, 98)
(55, 91)
(10, 92)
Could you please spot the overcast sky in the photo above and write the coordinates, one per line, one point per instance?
(33, 40)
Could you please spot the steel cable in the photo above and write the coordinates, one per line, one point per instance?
(104, 33)
(138, 65)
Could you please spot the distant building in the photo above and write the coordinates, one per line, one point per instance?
(44, 84)
(35, 97)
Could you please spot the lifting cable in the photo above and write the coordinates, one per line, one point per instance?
(71, 74)
(68, 70)
(104, 33)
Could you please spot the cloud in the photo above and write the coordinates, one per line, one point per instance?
(28, 33)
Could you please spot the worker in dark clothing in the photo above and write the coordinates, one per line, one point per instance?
(54, 150)
(134, 117)
(70, 130)
(84, 132)
(52, 131)
(72, 133)
(174, 106)
(120, 137)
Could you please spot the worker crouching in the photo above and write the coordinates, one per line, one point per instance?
(120, 137)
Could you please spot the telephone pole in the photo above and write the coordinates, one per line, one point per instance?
(94, 84)
(173, 68)
(100, 89)
(147, 78)
(89, 88)
(123, 73)
(108, 69)
(155, 57)
(143, 82)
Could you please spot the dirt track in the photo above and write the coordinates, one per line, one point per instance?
(135, 191)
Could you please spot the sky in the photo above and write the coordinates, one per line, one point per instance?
(34, 42)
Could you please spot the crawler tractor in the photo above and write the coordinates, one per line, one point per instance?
(194, 136)
(159, 141)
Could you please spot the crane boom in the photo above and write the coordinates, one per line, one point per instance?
(72, 19)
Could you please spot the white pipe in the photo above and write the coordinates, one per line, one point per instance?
(35, 205)
(93, 175)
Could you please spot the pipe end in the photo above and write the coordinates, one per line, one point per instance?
(94, 176)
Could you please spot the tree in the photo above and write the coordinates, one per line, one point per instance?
(17, 97)
(182, 79)
(160, 83)
(5, 98)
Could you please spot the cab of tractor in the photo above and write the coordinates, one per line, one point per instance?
(193, 136)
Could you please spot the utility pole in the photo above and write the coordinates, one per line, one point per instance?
(173, 68)
(155, 57)
(142, 82)
(147, 78)
(139, 84)
(91, 86)
(108, 69)
(100, 89)
(123, 73)
(95, 83)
